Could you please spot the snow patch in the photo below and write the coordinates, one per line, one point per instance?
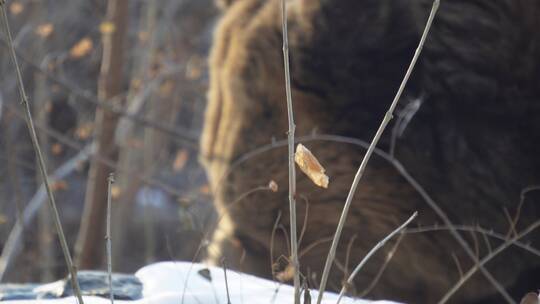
(165, 282)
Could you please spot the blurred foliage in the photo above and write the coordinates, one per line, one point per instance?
(59, 47)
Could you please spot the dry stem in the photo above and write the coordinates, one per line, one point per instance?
(39, 155)
(486, 259)
(371, 252)
(110, 180)
(367, 156)
(292, 175)
(401, 170)
(12, 246)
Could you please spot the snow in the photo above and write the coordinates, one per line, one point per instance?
(165, 282)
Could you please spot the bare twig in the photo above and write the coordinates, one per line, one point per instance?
(511, 222)
(486, 259)
(206, 236)
(12, 245)
(292, 175)
(389, 257)
(65, 140)
(314, 244)
(401, 170)
(427, 198)
(223, 263)
(272, 237)
(110, 180)
(369, 152)
(39, 155)
(522, 197)
(458, 264)
(486, 241)
(348, 256)
(182, 136)
(370, 253)
(304, 225)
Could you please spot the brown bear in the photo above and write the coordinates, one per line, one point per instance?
(467, 130)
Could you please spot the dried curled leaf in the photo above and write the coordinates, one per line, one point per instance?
(107, 27)
(116, 191)
(16, 8)
(309, 164)
(81, 48)
(205, 189)
(57, 149)
(180, 160)
(3, 218)
(59, 185)
(286, 275)
(273, 186)
(44, 30)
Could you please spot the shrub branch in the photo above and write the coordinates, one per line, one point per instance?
(367, 156)
(292, 174)
(39, 156)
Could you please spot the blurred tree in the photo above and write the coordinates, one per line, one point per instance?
(90, 243)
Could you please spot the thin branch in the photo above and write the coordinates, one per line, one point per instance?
(304, 225)
(367, 156)
(458, 264)
(182, 136)
(110, 180)
(348, 256)
(522, 197)
(511, 222)
(478, 229)
(314, 244)
(223, 262)
(401, 170)
(272, 239)
(206, 236)
(12, 245)
(370, 253)
(486, 259)
(292, 174)
(387, 260)
(452, 230)
(145, 178)
(39, 155)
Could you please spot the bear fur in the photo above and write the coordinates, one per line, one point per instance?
(467, 129)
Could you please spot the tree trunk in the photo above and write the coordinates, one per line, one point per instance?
(90, 243)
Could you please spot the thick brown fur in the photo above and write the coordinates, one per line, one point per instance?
(473, 144)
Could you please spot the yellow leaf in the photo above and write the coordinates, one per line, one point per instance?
(59, 185)
(84, 131)
(107, 27)
(180, 160)
(195, 67)
(287, 274)
(81, 48)
(205, 189)
(44, 30)
(3, 219)
(57, 149)
(166, 89)
(309, 164)
(16, 8)
(136, 83)
(115, 192)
